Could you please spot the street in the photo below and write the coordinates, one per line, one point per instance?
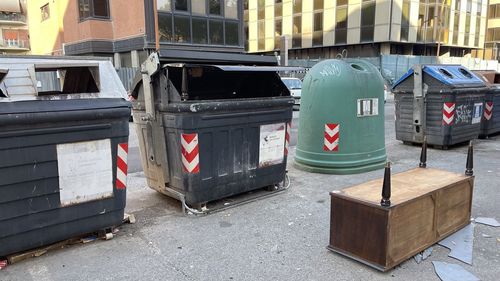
(279, 238)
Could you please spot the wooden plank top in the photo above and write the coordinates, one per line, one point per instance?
(404, 186)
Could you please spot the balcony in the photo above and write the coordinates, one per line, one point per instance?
(12, 18)
(14, 45)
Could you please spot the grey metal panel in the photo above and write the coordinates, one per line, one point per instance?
(89, 47)
(215, 57)
(127, 75)
(492, 126)
(125, 45)
(436, 132)
(21, 81)
(242, 67)
(30, 211)
(229, 149)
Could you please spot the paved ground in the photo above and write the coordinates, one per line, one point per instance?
(279, 238)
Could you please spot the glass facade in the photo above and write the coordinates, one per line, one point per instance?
(332, 23)
(199, 22)
(367, 20)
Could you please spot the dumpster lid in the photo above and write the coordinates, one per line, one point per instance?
(243, 68)
(446, 74)
(58, 78)
(3, 73)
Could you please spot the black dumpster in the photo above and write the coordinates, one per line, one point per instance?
(441, 102)
(212, 131)
(63, 150)
(490, 123)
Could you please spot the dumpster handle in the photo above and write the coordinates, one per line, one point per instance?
(184, 86)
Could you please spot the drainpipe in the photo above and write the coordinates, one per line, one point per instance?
(390, 21)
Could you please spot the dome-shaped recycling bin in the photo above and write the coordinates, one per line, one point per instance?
(341, 123)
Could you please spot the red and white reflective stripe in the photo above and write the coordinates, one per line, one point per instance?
(3, 264)
(190, 153)
(332, 134)
(448, 113)
(287, 136)
(488, 110)
(121, 163)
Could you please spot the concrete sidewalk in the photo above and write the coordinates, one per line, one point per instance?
(278, 238)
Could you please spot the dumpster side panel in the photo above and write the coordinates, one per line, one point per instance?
(490, 123)
(228, 152)
(31, 212)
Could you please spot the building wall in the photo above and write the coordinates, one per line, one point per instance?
(492, 42)
(65, 28)
(321, 23)
(128, 18)
(14, 38)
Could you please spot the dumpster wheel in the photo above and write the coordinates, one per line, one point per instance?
(204, 210)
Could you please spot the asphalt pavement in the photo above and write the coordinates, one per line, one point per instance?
(279, 238)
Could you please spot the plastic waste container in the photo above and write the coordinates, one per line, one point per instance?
(341, 123)
(207, 132)
(63, 149)
(442, 102)
(490, 123)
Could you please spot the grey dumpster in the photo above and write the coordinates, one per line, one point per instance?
(63, 150)
(442, 102)
(211, 131)
(490, 123)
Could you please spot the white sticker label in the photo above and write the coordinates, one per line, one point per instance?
(478, 112)
(367, 107)
(85, 171)
(272, 144)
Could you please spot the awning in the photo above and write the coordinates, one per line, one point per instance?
(12, 6)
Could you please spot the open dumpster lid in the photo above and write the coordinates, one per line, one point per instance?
(3, 73)
(243, 68)
(54, 78)
(446, 74)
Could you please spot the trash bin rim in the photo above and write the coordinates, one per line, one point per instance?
(230, 68)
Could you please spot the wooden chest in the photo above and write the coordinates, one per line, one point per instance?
(427, 205)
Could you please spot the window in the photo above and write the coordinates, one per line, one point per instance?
(200, 33)
(318, 29)
(231, 9)
(214, 7)
(318, 22)
(341, 18)
(163, 5)
(278, 9)
(261, 9)
(181, 5)
(45, 12)
(297, 32)
(297, 6)
(456, 22)
(182, 29)
(341, 25)
(341, 2)
(278, 28)
(165, 27)
(405, 20)
(318, 5)
(232, 34)
(216, 32)
(198, 7)
(93, 9)
(367, 21)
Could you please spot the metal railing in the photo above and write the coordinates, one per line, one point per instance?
(12, 17)
(14, 44)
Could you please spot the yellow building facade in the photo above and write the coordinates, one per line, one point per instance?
(492, 42)
(323, 28)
